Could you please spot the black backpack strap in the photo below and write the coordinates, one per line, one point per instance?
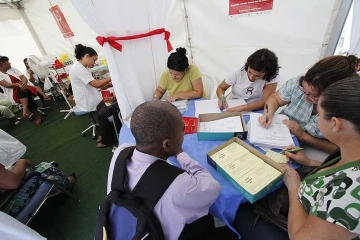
(154, 182)
(119, 173)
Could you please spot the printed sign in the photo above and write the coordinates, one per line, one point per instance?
(61, 21)
(249, 7)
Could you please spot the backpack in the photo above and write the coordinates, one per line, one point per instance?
(128, 214)
(274, 208)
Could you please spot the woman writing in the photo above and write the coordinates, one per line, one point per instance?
(182, 80)
(301, 96)
(325, 204)
(254, 82)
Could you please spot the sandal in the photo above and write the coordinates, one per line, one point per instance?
(100, 145)
(99, 139)
(26, 115)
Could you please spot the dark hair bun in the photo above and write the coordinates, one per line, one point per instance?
(81, 50)
(181, 50)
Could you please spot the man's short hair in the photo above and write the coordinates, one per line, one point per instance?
(152, 122)
(3, 59)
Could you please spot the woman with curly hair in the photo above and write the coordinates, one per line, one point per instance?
(254, 82)
(301, 96)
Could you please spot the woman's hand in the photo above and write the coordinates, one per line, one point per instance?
(291, 178)
(265, 120)
(295, 128)
(22, 86)
(236, 109)
(172, 98)
(221, 105)
(298, 157)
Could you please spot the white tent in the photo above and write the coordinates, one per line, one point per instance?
(299, 32)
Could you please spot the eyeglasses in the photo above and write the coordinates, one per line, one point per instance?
(310, 95)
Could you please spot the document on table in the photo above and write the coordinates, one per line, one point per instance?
(229, 124)
(211, 106)
(277, 135)
(277, 157)
(251, 172)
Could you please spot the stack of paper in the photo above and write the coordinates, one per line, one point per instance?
(251, 172)
(277, 135)
(229, 124)
(211, 106)
(182, 105)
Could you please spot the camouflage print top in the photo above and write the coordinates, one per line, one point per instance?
(334, 194)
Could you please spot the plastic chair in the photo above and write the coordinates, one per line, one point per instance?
(42, 194)
(70, 110)
(210, 85)
(37, 200)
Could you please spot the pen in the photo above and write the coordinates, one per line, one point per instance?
(267, 112)
(223, 100)
(294, 150)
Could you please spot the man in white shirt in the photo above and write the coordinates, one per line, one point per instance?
(159, 132)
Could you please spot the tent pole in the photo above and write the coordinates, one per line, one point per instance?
(344, 9)
(32, 31)
(188, 32)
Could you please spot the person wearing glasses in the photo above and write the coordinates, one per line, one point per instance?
(301, 95)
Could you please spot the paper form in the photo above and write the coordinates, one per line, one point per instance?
(251, 172)
(211, 106)
(277, 157)
(258, 178)
(229, 124)
(206, 106)
(277, 135)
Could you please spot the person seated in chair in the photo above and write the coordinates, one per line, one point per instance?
(12, 178)
(325, 203)
(182, 80)
(38, 84)
(17, 90)
(5, 106)
(254, 82)
(158, 129)
(86, 94)
(301, 94)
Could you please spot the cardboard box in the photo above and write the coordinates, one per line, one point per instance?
(127, 120)
(221, 136)
(252, 198)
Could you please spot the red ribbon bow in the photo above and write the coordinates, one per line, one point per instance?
(112, 40)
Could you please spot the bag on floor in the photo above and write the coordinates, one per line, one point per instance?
(128, 214)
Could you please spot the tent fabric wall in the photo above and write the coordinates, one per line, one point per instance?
(49, 33)
(136, 70)
(297, 31)
(294, 30)
(16, 41)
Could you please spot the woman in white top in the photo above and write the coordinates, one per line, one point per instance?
(254, 82)
(17, 90)
(85, 89)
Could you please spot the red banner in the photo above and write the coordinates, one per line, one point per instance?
(61, 21)
(248, 7)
